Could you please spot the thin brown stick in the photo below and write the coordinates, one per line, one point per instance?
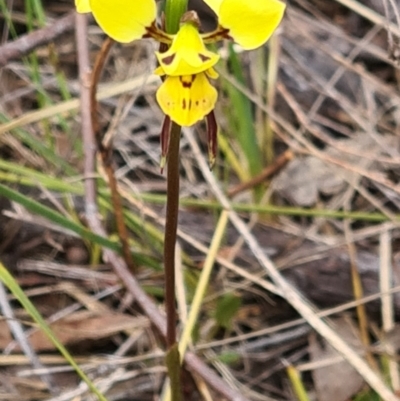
(358, 293)
(87, 129)
(290, 293)
(171, 226)
(277, 164)
(25, 44)
(20, 335)
(106, 155)
(101, 58)
(144, 301)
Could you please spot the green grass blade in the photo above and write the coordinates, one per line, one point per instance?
(50, 214)
(242, 120)
(13, 286)
(42, 150)
(297, 383)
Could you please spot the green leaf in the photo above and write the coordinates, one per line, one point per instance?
(229, 357)
(42, 210)
(242, 121)
(227, 307)
(367, 395)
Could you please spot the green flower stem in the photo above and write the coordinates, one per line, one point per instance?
(174, 9)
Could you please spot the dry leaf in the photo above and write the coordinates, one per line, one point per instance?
(303, 178)
(81, 326)
(338, 381)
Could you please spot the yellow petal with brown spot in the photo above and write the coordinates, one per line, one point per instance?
(187, 99)
(187, 54)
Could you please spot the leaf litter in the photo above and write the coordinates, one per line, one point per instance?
(338, 103)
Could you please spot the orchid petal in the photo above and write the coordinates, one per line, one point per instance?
(187, 54)
(215, 5)
(124, 20)
(83, 6)
(187, 99)
(249, 23)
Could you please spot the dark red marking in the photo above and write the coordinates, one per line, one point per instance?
(212, 130)
(187, 84)
(169, 59)
(165, 135)
(203, 57)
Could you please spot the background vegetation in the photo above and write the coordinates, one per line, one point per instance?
(309, 160)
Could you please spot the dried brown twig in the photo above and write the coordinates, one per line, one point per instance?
(105, 151)
(290, 293)
(25, 44)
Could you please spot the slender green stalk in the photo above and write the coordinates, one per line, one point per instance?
(276, 210)
(174, 9)
(202, 284)
(242, 121)
(297, 383)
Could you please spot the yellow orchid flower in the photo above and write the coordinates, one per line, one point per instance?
(187, 54)
(250, 23)
(122, 20)
(187, 99)
(186, 95)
